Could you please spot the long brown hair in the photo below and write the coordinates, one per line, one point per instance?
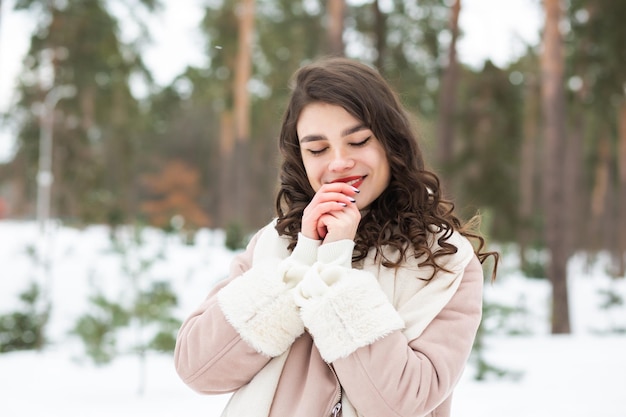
(411, 208)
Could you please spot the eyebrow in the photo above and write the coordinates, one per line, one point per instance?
(345, 132)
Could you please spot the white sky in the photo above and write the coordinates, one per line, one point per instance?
(494, 29)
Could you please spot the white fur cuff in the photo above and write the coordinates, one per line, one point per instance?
(260, 307)
(352, 313)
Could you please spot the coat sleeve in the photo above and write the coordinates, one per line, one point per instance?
(397, 377)
(245, 321)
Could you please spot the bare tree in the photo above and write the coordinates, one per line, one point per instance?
(335, 14)
(235, 124)
(243, 70)
(622, 189)
(553, 100)
(447, 95)
(528, 167)
(380, 31)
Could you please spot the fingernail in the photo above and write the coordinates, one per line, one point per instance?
(352, 199)
(356, 190)
(344, 204)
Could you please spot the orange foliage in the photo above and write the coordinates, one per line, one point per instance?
(175, 191)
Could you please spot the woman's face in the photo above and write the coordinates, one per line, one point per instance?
(337, 147)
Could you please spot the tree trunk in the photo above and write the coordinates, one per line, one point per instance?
(447, 97)
(380, 31)
(553, 99)
(241, 106)
(528, 167)
(336, 10)
(600, 191)
(572, 184)
(227, 167)
(622, 188)
(243, 70)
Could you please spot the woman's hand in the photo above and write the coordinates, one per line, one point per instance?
(332, 214)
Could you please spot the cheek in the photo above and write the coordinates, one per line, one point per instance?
(384, 162)
(312, 174)
(314, 180)
(385, 170)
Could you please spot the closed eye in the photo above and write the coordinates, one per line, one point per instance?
(316, 151)
(362, 143)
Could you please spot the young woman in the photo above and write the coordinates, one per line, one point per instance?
(363, 296)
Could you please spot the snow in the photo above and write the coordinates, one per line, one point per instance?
(582, 374)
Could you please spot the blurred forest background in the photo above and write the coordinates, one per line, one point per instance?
(537, 147)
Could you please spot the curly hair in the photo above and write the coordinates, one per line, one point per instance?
(411, 209)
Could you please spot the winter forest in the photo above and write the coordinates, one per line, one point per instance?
(537, 147)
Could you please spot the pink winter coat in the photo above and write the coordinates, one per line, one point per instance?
(309, 334)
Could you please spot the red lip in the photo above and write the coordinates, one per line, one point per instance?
(357, 184)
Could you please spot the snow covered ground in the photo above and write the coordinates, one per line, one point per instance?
(578, 375)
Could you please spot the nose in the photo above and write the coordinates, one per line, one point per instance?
(341, 161)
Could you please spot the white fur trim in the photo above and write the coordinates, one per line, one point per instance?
(350, 313)
(259, 304)
(260, 307)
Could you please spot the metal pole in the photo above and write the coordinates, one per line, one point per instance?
(44, 184)
(44, 174)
